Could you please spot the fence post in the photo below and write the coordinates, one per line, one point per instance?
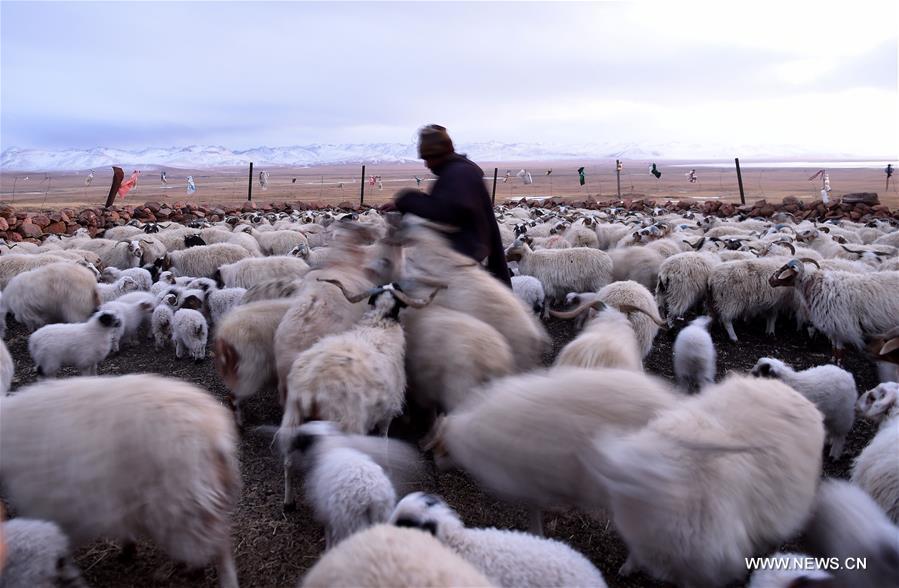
(493, 196)
(362, 187)
(250, 184)
(618, 176)
(740, 180)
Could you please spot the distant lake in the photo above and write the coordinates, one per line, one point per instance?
(793, 164)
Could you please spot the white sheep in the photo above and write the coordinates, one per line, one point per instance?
(848, 524)
(563, 270)
(694, 355)
(608, 341)
(845, 306)
(561, 410)
(38, 556)
(166, 280)
(511, 559)
(449, 354)
(205, 260)
(793, 572)
(875, 468)
(55, 293)
(133, 309)
(167, 441)
(120, 287)
(759, 439)
(244, 349)
(251, 271)
(640, 264)
(271, 289)
(138, 274)
(14, 264)
(190, 333)
(346, 489)
(739, 289)
(385, 555)
(161, 325)
(279, 242)
(7, 369)
(530, 291)
(831, 389)
(683, 281)
(220, 302)
(82, 345)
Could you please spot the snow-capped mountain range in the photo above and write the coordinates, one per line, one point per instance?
(207, 156)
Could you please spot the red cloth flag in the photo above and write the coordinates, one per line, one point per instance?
(128, 184)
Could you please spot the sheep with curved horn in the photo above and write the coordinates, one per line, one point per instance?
(845, 306)
(356, 378)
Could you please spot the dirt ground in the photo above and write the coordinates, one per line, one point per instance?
(274, 548)
(338, 183)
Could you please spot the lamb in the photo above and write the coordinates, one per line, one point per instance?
(122, 286)
(356, 379)
(797, 574)
(844, 306)
(83, 345)
(38, 557)
(221, 302)
(346, 489)
(874, 470)
(190, 331)
(166, 280)
(132, 313)
(385, 555)
(683, 281)
(694, 355)
(760, 439)
(848, 524)
(607, 342)
(563, 270)
(251, 271)
(511, 559)
(449, 354)
(829, 387)
(530, 291)
(161, 325)
(738, 289)
(244, 349)
(59, 292)
(561, 410)
(205, 260)
(169, 442)
(7, 369)
(138, 274)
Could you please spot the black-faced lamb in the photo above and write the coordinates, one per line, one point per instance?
(190, 330)
(875, 468)
(133, 309)
(760, 439)
(166, 441)
(38, 556)
(82, 345)
(161, 325)
(831, 389)
(694, 355)
(511, 559)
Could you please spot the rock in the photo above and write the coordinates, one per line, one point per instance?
(30, 230)
(163, 213)
(57, 228)
(40, 220)
(4, 226)
(14, 237)
(153, 206)
(863, 197)
(791, 200)
(248, 207)
(7, 212)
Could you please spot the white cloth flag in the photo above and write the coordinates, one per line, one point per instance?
(191, 187)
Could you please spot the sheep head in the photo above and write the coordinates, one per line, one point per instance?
(786, 276)
(878, 403)
(885, 347)
(768, 368)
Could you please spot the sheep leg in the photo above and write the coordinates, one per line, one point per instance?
(838, 354)
(729, 327)
(629, 567)
(535, 525)
(225, 567)
(769, 325)
(129, 552)
(836, 446)
(289, 499)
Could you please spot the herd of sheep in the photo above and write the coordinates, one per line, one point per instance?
(353, 321)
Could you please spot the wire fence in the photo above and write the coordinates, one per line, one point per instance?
(347, 184)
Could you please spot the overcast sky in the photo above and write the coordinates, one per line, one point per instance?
(243, 75)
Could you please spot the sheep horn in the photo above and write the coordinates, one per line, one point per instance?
(788, 246)
(810, 260)
(696, 246)
(627, 308)
(852, 251)
(889, 346)
(122, 243)
(595, 304)
(416, 302)
(352, 298)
